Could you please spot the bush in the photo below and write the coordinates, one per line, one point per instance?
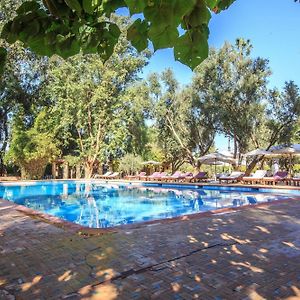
(130, 164)
(30, 149)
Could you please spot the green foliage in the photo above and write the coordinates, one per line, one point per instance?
(97, 106)
(31, 149)
(185, 128)
(72, 160)
(283, 111)
(232, 86)
(130, 163)
(67, 27)
(20, 84)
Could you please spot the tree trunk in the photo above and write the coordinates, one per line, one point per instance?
(65, 170)
(88, 170)
(78, 171)
(252, 165)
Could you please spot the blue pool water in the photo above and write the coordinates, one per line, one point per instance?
(101, 205)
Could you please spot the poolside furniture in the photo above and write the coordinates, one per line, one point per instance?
(176, 176)
(233, 177)
(295, 181)
(255, 178)
(223, 174)
(152, 176)
(200, 176)
(114, 175)
(280, 176)
(103, 176)
(158, 177)
(138, 176)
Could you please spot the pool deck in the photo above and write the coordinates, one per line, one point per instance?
(249, 253)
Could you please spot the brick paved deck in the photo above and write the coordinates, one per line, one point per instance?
(250, 254)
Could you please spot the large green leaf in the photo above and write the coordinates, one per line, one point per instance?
(135, 6)
(164, 39)
(109, 6)
(212, 3)
(192, 47)
(223, 4)
(165, 13)
(199, 15)
(109, 37)
(137, 33)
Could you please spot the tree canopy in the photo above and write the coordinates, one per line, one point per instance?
(92, 103)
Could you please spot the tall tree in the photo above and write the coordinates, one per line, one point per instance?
(234, 85)
(20, 82)
(280, 122)
(186, 131)
(92, 105)
(31, 149)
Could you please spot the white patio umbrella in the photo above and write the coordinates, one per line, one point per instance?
(151, 162)
(215, 159)
(286, 150)
(216, 156)
(258, 152)
(226, 153)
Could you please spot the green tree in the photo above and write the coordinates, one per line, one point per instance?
(31, 149)
(130, 163)
(186, 131)
(281, 120)
(233, 86)
(92, 103)
(20, 84)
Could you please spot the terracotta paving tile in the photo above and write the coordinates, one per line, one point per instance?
(250, 254)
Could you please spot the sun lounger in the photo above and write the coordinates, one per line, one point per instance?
(102, 176)
(176, 176)
(280, 176)
(255, 178)
(295, 181)
(233, 177)
(150, 177)
(200, 176)
(138, 176)
(114, 175)
(158, 177)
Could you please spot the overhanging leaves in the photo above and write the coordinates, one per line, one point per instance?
(137, 33)
(192, 48)
(67, 27)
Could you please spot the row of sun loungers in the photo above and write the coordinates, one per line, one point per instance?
(259, 177)
(176, 177)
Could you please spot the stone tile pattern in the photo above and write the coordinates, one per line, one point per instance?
(250, 254)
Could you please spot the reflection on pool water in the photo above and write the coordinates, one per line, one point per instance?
(102, 205)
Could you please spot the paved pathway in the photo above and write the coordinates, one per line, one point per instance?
(249, 254)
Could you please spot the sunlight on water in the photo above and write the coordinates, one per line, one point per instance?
(102, 205)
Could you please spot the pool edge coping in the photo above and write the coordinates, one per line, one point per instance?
(88, 231)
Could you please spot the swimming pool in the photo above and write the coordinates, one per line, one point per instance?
(101, 205)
